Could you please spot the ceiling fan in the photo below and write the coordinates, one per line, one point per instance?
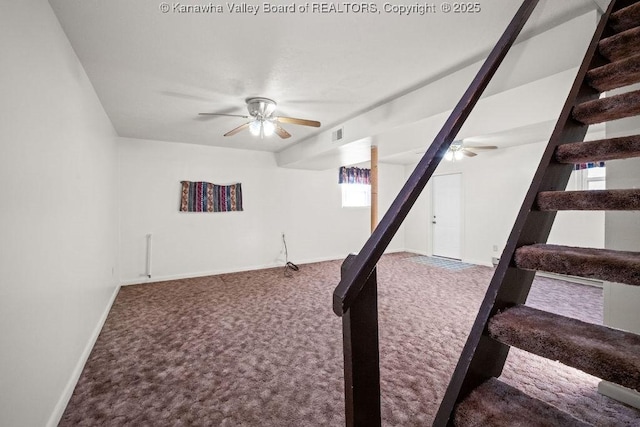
(263, 122)
(457, 150)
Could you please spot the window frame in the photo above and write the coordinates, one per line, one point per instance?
(356, 195)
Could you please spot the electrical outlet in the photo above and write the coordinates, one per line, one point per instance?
(495, 248)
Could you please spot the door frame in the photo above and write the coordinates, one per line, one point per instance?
(432, 212)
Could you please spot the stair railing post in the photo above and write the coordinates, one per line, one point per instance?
(361, 355)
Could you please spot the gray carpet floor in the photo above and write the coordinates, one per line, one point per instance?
(260, 349)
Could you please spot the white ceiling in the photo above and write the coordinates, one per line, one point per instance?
(154, 71)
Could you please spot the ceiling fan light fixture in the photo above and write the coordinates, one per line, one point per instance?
(254, 127)
(454, 152)
(268, 128)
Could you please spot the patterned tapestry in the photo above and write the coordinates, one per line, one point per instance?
(354, 175)
(207, 197)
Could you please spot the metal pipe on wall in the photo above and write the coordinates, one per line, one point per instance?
(149, 255)
(374, 187)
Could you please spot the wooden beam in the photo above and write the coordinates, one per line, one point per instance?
(374, 187)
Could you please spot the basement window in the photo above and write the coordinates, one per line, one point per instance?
(356, 195)
(595, 178)
(591, 179)
(588, 176)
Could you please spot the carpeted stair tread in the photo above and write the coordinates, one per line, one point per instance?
(497, 404)
(615, 75)
(625, 18)
(620, 46)
(609, 108)
(592, 200)
(603, 264)
(606, 353)
(594, 151)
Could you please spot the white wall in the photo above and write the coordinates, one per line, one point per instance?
(58, 217)
(493, 186)
(305, 205)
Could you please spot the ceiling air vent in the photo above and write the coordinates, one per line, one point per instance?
(336, 135)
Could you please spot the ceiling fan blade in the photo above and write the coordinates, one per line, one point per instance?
(238, 129)
(468, 153)
(295, 121)
(223, 114)
(482, 147)
(281, 132)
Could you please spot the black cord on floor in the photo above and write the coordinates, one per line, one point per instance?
(289, 267)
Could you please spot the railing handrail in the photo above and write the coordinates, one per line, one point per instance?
(355, 277)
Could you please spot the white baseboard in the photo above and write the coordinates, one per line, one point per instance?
(477, 262)
(619, 393)
(143, 279)
(573, 279)
(416, 251)
(154, 279)
(58, 411)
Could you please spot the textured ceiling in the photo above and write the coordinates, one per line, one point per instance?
(155, 71)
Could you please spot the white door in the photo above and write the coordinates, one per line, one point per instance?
(447, 216)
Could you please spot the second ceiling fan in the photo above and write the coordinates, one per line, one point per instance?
(263, 122)
(459, 149)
